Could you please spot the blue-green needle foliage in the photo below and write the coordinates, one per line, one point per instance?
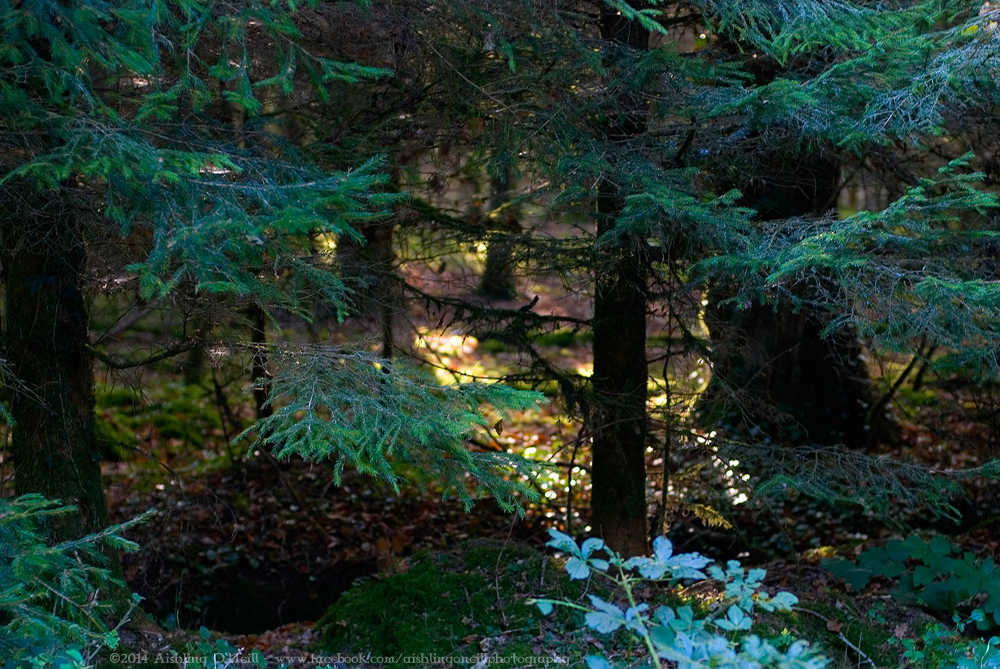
(53, 605)
(913, 270)
(371, 414)
(138, 101)
(876, 73)
(155, 110)
(866, 75)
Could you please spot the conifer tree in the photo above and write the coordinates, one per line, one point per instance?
(116, 121)
(648, 141)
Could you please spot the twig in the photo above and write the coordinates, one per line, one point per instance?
(124, 323)
(117, 363)
(885, 399)
(843, 638)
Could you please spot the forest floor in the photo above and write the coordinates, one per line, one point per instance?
(257, 550)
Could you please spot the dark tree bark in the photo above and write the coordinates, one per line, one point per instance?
(369, 266)
(499, 280)
(775, 375)
(618, 476)
(619, 512)
(259, 373)
(51, 395)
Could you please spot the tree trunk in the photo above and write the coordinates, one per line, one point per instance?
(499, 281)
(618, 418)
(54, 445)
(368, 267)
(774, 374)
(783, 379)
(259, 373)
(618, 474)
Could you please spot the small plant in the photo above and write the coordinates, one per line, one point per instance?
(222, 654)
(676, 634)
(928, 575)
(941, 648)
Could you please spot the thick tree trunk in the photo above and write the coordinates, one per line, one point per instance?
(618, 419)
(783, 379)
(775, 375)
(54, 445)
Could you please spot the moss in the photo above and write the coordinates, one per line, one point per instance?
(871, 635)
(116, 441)
(482, 588)
(494, 346)
(424, 610)
(564, 338)
(175, 410)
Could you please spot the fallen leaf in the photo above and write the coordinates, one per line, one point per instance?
(834, 625)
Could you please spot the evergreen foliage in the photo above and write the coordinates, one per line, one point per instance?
(155, 116)
(53, 597)
(923, 284)
(672, 135)
(360, 410)
(220, 147)
(827, 81)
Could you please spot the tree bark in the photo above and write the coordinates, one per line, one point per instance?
(774, 373)
(619, 512)
(498, 280)
(259, 373)
(619, 426)
(368, 266)
(51, 395)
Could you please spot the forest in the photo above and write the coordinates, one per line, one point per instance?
(473, 333)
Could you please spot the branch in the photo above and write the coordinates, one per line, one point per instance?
(120, 363)
(124, 323)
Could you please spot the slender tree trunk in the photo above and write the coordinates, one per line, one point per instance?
(618, 494)
(369, 266)
(259, 374)
(499, 280)
(51, 395)
(619, 511)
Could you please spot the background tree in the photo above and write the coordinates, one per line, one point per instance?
(642, 135)
(119, 118)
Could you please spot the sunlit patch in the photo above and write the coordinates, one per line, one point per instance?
(445, 344)
(327, 241)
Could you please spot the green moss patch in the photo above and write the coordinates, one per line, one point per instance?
(444, 603)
